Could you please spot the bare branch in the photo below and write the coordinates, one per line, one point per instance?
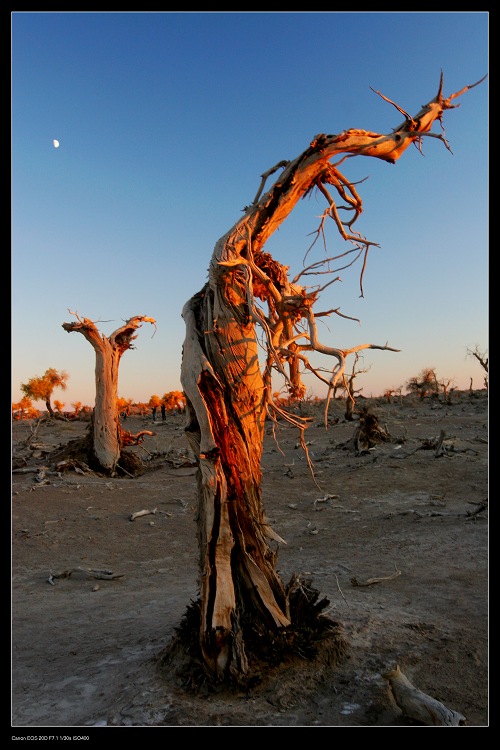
(408, 117)
(229, 390)
(264, 179)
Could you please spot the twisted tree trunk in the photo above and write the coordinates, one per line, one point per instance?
(106, 443)
(229, 398)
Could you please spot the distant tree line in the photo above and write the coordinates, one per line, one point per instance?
(424, 385)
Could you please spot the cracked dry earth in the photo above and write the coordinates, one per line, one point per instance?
(411, 515)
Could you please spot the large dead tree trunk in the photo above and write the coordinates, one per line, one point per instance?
(229, 397)
(107, 442)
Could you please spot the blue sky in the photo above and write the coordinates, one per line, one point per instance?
(166, 122)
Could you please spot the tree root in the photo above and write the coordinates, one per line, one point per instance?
(312, 636)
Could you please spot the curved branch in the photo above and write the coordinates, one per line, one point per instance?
(123, 336)
(228, 396)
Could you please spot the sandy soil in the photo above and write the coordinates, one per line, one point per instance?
(85, 649)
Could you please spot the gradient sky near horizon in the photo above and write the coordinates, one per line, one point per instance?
(165, 123)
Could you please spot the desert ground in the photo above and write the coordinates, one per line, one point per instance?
(395, 536)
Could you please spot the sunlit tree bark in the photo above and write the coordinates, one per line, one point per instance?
(229, 395)
(108, 437)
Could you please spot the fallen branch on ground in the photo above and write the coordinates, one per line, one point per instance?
(105, 575)
(370, 581)
(140, 513)
(474, 513)
(33, 432)
(127, 438)
(418, 705)
(80, 467)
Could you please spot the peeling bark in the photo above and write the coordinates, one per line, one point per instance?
(229, 397)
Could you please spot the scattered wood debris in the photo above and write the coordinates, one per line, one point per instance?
(80, 467)
(34, 427)
(325, 499)
(442, 446)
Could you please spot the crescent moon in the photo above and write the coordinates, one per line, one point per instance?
(56, 143)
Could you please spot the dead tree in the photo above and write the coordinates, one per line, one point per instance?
(106, 434)
(369, 432)
(351, 392)
(482, 358)
(229, 392)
